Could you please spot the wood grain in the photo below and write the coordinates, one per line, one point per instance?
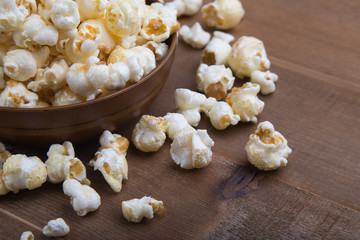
(314, 48)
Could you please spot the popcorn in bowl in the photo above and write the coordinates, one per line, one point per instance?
(76, 40)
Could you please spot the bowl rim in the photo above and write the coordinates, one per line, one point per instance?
(172, 44)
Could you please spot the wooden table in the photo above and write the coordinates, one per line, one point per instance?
(314, 48)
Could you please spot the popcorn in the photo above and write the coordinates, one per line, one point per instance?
(248, 55)
(56, 228)
(2, 79)
(52, 78)
(123, 18)
(218, 49)
(83, 198)
(192, 148)
(266, 80)
(4, 155)
(22, 172)
(110, 159)
(195, 36)
(65, 15)
(27, 236)
(13, 13)
(221, 115)
(91, 8)
(267, 149)
(16, 94)
(185, 7)
(149, 133)
(135, 210)
(223, 14)
(65, 97)
(159, 49)
(160, 23)
(34, 32)
(20, 65)
(245, 103)
(190, 104)
(62, 164)
(214, 80)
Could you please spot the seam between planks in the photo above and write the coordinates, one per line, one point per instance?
(308, 72)
(233, 160)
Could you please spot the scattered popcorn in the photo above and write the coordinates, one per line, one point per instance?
(27, 236)
(149, 133)
(62, 164)
(192, 148)
(185, 7)
(174, 123)
(160, 23)
(110, 159)
(195, 36)
(83, 198)
(214, 80)
(35, 32)
(245, 103)
(20, 64)
(267, 149)
(248, 55)
(266, 80)
(4, 155)
(135, 210)
(56, 228)
(22, 172)
(17, 95)
(218, 49)
(223, 14)
(221, 115)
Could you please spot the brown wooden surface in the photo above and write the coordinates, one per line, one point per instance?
(314, 48)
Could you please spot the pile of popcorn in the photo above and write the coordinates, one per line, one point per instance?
(59, 52)
(80, 42)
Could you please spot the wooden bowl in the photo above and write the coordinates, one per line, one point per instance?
(84, 121)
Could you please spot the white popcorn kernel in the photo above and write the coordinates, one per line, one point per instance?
(248, 55)
(91, 8)
(149, 133)
(192, 148)
(51, 78)
(186, 7)
(135, 210)
(221, 116)
(56, 228)
(218, 49)
(22, 172)
(267, 149)
(65, 14)
(62, 164)
(174, 123)
(3, 189)
(160, 23)
(245, 103)
(214, 80)
(83, 198)
(195, 36)
(223, 14)
(16, 94)
(65, 97)
(123, 18)
(13, 13)
(189, 104)
(35, 32)
(20, 64)
(266, 80)
(4, 154)
(27, 236)
(159, 49)
(110, 159)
